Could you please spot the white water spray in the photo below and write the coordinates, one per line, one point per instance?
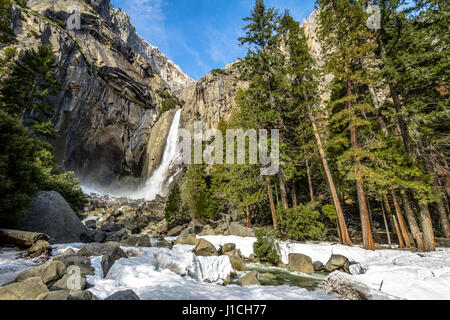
(155, 184)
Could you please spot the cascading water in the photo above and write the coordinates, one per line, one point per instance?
(155, 184)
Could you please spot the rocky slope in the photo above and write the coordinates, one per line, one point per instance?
(111, 81)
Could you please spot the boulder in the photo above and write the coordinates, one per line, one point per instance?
(98, 236)
(28, 289)
(267, 276)
(187, 239)
(162, 227)
(207, 231)
(48, 272)
(109, 259)
(69, 252)
(228, 247)
(300, 263)
(84, 263)
(164, 244)
(195, 227)
(205, 248)
(91, 224)
(40, 247)
(249, 279)
(61, 284)
(252, 259)
(237, 263)
(237, 229)
(52, 215)
(175, 231)
(124, 295)
(67, 295)
(338, 262)
(111, 227)
(97, 249)
(116, 236)
(137, 241)
(222, 228)
(132, 226)
(318, 266)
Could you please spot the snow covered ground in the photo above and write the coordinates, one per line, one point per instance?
(160, 273)
(404, 274)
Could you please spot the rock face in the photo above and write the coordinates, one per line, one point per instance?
(28, 289)
(300, 263)
(52, 215)
(110, 79)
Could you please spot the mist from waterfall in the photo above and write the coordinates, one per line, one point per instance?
(155, 184)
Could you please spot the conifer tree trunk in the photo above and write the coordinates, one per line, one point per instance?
(294, 194)
(276, 195)
(362, 200)
(410, 216)
(401, 221)
(440, 204)
(386, 227)
(345, 238)
(247, 209)
(272, 206)
(425, 218)
(394, 220)
(310, 184)
(284, 198)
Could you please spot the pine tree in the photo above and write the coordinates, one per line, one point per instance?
(345, 42)
(302, 69)
(6, 33)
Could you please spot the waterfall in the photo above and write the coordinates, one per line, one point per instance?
(155, 184)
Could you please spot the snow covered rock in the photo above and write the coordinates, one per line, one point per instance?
(300, 263)
(345, 287)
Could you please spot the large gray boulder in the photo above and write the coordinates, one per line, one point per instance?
(237, 229)
(300, 263)
(84, 263)
(28, 289)
(124, 295)
(97, 249)
(51, 214)
(109, 259)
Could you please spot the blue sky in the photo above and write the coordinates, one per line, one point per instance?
(199, 35)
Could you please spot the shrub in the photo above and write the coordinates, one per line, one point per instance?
(300, 223)
(266, 248)
(173, 211)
